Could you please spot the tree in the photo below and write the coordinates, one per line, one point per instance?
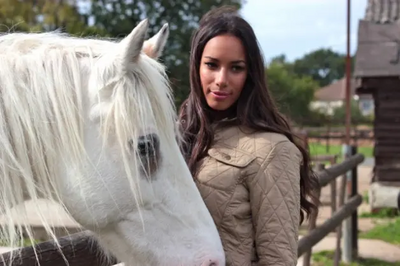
(119, 17)
(42, 15)
(292, 93)
(323, 65)
(16, 15)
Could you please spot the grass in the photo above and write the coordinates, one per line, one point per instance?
(325, 258)
(366, 197)
(26, 242)
(381, 214)
(388, 232)
(319, 149)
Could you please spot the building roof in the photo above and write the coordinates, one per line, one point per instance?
(336, 91)
(378, 49)
(382, 11)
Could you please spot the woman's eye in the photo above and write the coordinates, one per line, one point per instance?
(237, 68)
(211, 65)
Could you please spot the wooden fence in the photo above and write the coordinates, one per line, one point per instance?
(340, 211)
(80, 249)
(329, 135)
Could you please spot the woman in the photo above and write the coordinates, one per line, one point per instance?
(254, 178)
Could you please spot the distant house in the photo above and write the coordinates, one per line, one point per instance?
(332, 96)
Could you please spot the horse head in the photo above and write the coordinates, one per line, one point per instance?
(101, 115)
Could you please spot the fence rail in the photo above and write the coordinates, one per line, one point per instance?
(321, 231)
(328, 175)
(80, 249)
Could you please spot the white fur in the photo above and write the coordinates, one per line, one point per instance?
(69, 108)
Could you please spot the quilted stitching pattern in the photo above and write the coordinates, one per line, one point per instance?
(251, 185)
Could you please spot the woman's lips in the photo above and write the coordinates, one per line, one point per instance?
(220, 95)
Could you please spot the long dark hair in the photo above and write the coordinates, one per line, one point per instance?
(255, 107)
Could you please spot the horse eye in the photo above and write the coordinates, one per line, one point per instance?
(148, 145)
(148, 149)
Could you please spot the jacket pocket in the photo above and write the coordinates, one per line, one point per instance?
(232, 157)
(223, 168)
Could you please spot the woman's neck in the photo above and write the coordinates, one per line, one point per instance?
(217, 116)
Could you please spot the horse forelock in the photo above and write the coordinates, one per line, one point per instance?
(141, 103)
(40, 122)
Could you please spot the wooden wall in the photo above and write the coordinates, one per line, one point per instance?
(386, 93)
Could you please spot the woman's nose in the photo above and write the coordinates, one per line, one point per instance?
(222, 79)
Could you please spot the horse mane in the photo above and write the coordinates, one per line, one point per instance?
(41, 112)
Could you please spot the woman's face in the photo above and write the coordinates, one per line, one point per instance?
(223, 71)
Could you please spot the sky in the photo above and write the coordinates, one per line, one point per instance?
(297, 27)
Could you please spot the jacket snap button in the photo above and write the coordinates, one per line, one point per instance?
(228, 157)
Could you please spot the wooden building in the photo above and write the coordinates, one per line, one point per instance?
(377, 71)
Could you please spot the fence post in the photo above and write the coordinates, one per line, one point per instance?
(333, 189)
(339, 250)
(313, 222)
(347, 235)
(398, 201)
(328, 137)
(354, 216)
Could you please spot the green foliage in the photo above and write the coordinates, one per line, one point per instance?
(323, 65)
(292, 93)
(16, 15)
(366, 197)
(388, 232)
(42, 15)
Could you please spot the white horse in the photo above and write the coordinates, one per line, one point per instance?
(91, 125)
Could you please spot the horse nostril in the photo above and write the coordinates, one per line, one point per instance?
(211, 262)
(148, 145)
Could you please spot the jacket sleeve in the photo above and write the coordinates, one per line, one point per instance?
(275, 204)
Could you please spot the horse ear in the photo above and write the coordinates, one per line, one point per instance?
(133, 43)
(154, 46)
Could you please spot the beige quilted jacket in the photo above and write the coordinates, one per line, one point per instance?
(251, 185)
